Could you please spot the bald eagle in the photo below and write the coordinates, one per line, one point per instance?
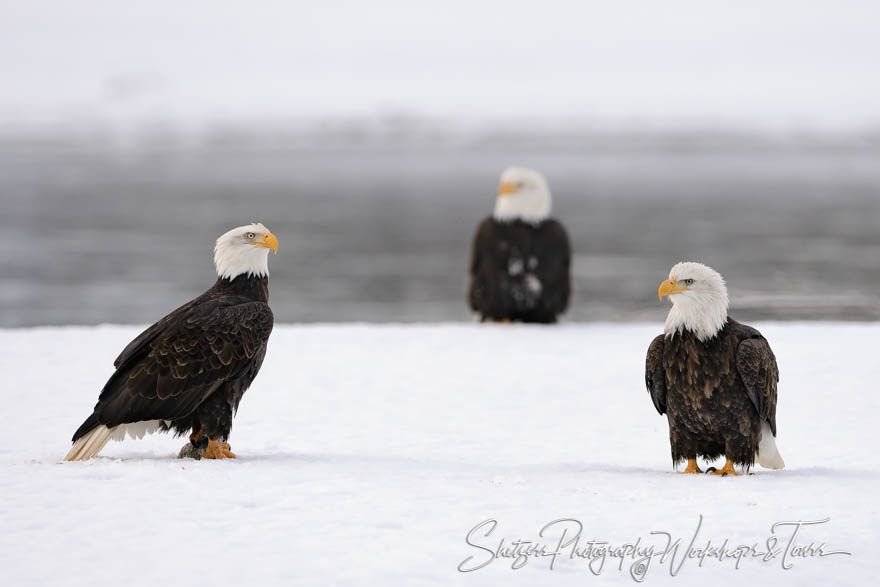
(520, 258)
(188, 371)
(714, 378)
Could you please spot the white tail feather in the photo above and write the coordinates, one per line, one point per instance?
(90, 444)
(768, 454)
(136, 429)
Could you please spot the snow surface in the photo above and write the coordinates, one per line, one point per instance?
(367, 453)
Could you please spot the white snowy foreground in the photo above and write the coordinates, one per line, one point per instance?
(367, 454)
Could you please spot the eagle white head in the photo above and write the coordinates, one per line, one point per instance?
(524, 195)
(699, 300)
(244, 250)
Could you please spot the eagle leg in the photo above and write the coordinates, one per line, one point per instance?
(691, 468)
(727, 469)
(194, 437)
(216, 450)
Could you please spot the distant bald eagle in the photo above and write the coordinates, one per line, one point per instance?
(713, 377)
(520, 258)
(188, 371)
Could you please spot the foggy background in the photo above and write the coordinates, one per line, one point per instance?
(369, 138)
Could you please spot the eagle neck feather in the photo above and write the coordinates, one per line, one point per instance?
(248, 286)
(703, 318)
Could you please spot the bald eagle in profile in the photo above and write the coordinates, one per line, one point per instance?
(520, 258)
(714, 378)
(188, 371)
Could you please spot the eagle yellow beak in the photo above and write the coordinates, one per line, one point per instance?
(669, 287)
(268, 242)
(506, 188)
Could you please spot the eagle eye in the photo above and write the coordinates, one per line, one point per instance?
(687, 281)
(251, 236)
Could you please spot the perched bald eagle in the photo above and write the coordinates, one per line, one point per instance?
(520, 258)
(714, 378)
(188, 371)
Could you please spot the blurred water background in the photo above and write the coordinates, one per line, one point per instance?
(370, 137)
(375, 220)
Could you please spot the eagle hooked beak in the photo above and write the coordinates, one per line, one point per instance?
(268, 242)
(669, 287)
(506, 188)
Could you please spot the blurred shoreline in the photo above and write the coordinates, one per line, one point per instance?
(411, 131)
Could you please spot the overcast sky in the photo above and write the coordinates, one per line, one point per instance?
(776, 64)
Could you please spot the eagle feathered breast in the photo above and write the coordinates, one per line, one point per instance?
(716, 394)
(520, 271)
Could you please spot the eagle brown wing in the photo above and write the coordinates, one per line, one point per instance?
(553, 249)
(482, 263)
(655, 374)
(142, 341)
(178, 365)
(757, 368)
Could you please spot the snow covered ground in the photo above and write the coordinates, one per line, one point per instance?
(367, 454)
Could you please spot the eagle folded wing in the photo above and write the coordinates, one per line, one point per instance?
(655, 377)
(183, 363)
(554, 265)
(756, 365)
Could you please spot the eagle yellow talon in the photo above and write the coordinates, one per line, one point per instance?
(215, 450)
(691, 468)
(727, 469)
(227, 449)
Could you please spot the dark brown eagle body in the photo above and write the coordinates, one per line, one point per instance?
(520, 271)
(716, 394)
(190, 369)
